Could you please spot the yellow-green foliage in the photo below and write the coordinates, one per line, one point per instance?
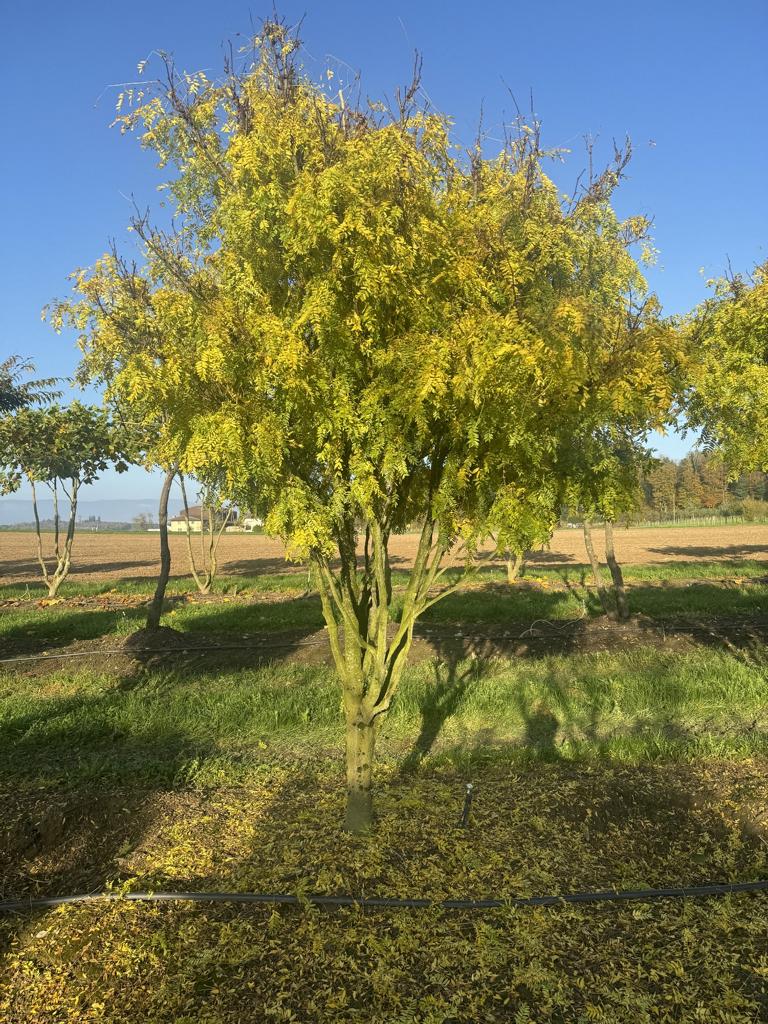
(358, 322)
(363, 328)
(728, 396)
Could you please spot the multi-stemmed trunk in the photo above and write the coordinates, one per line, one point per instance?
(617, 608)
(515, 565)
(155, 609)
(210, 533)
(369, 647)
(62, 553)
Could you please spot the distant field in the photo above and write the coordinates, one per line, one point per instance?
(119, 556)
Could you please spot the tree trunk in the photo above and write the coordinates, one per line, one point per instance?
(192, 567)
(369, 659)
(361, 743)
(601, 591)
(515, 565)
(616, 574)
(156, 605)
(38, 534)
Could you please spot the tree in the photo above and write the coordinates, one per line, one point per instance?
(690, 492)
(61, 448)
(15, 392)
(366, 329)
(605, 482)
(663, 481)
(727, 395)
(713, 475)
(215, 516)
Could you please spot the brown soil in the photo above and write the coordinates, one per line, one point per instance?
(118, 556)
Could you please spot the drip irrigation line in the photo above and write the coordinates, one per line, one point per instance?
(129, 652)
(389, 902)
(526, 636)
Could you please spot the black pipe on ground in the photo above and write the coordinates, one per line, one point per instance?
(390, 902)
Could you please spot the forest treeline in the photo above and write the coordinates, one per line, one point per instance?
(700, 485)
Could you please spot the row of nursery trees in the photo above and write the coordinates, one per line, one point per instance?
(60, 448)
(362, 326)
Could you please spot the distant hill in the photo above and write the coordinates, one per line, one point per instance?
(115, 510)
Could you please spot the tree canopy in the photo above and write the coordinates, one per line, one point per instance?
(366, 327)
(16, 392)
(728, 383)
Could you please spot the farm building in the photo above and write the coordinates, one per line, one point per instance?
(199, 514)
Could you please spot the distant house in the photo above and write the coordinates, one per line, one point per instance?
(178, 523)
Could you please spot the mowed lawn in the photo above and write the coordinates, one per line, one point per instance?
(639, 766)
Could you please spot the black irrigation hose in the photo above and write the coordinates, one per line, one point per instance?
(389, 902)
(526, 637)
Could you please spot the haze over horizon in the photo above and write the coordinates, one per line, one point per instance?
(689, 90)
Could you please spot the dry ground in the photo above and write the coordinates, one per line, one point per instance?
(116, 556)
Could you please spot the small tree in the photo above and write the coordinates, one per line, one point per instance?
(215, 515)
(605, 483)
(61, 448)
(663, 480)
(366, 329)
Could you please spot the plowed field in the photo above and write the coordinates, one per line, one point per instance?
(118, 556)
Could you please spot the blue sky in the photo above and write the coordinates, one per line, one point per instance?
(687, 80)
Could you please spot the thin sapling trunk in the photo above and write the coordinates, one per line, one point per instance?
(602, 593)
(204, 578)
(156, 604)
(617, 576)
(62, 556)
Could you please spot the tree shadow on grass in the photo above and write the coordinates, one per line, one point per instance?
(50, 628)
(79, 789)
(455, 671)
(711, 551)
(303, 613)
(560, 826)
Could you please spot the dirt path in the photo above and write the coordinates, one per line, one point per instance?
(122, 555)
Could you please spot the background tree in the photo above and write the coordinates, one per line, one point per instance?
(366, 329)
(728, 383)
(15, 392)
(713, 477)
(215, 515)
(662, 480)
(143, 521)
(142, 426)
(605, 483)
(61, 448)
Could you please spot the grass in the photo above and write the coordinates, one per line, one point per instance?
(56, 626)
(213, 726)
